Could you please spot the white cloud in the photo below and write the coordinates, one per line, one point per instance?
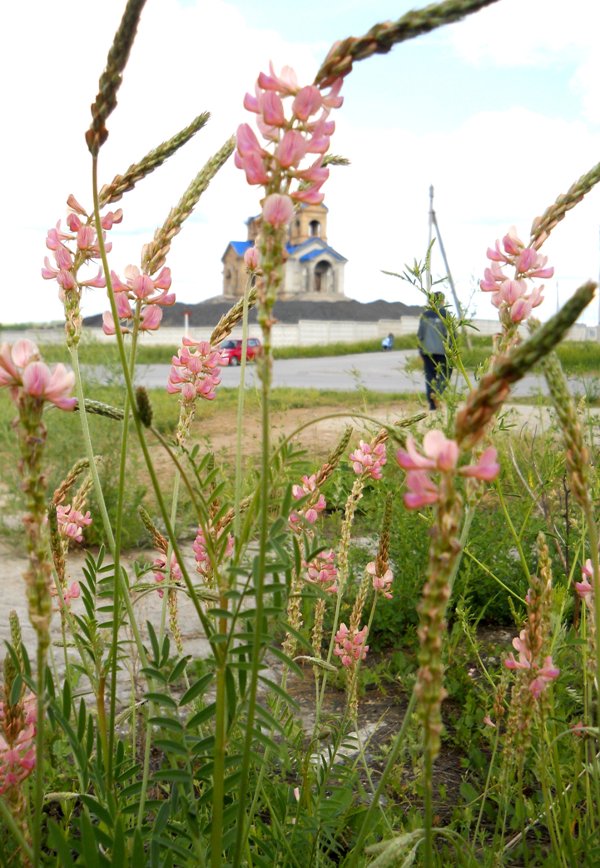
(489, 171)
(538, 33)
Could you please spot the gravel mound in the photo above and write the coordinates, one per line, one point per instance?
(208, 313)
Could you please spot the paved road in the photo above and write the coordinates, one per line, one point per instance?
(379, 372)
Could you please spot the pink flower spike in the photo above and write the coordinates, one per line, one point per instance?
(272, 109)
(421, 490)
(549, 672)
(486, 469)
(311, 196)
(252, 259)
(246, 140)
(307, 102)
(124, 309)
(445, 452)
(277, 210)
(98, 282)
(584, 589)
(286, 83)
(163, 280)
(291, 149)
(110, 218)
(24, 351)
(512, 243)
(74, 205)
(108, 324)
(333, 98)
(251, 103)
(150, 318)
(55, 387)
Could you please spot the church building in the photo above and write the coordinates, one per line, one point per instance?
(313, 269)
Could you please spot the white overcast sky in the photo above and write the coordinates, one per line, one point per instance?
(500, 113)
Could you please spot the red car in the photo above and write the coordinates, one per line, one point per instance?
(231, 351)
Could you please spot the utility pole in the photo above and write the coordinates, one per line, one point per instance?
(429, 241)
(598, 326)
(433, 224)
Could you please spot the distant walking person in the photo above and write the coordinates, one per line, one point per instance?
(432, 336)
(388, 342)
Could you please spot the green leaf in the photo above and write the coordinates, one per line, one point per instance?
(276, 688)
(231, 696)
(196, 689)
(169, 746)
(160, 699)
(16, 690)
(58, 842)
(118, 856)
(173, 776)
(162, 818)
(89, 842)
(169, 723)
(81, 719)
(179, 668)
(202, 716)
(153, 641)
(66, 703)
(96, 809)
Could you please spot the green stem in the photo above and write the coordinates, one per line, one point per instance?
(240, 421)
(15, 831)
(595, 558)
(428, 800)
(216, 836)
(38, 793)
(259, 606)
(165, 599)
(116, 585)
(515, 535)
(397, 746)
(487, 786)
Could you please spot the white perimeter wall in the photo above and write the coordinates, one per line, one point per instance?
(305, 333)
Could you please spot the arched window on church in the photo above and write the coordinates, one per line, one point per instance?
(315, 228)
(323, 277)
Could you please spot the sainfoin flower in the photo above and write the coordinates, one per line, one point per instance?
(151, 293)
(584, 588)
(70, 592)
(315, 505)
(381, 583)
(24, 374)
(321, 570)
(71, 522)
(350, 645)
(439, 454)
(289, 137)
(160, 569)
(368, 459)
(194, 371)
(17, 746)
(74, 248)
(203, 564)
(514, 295)
(543, 672)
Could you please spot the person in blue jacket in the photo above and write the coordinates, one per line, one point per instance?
(433, 346)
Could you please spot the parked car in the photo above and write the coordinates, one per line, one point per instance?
(231, 351)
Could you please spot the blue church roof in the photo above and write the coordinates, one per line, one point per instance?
(240, 248)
